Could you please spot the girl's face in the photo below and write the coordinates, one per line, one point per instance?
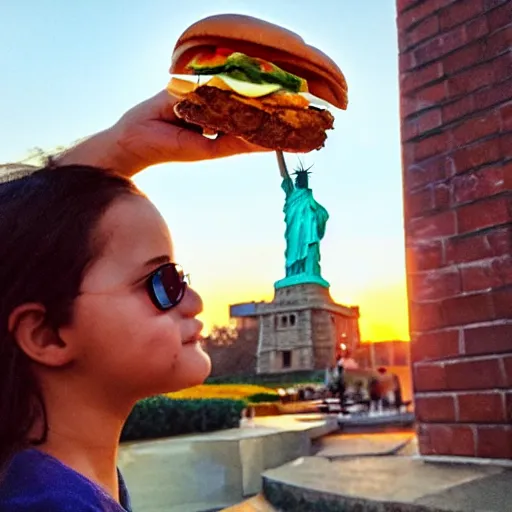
(122, 342)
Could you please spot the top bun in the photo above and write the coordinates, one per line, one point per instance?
(258, 38)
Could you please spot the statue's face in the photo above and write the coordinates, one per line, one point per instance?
(301, 181)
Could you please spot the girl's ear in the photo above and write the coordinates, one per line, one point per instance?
(32, 332)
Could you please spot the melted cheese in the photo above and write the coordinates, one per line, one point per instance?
(183, 84)
(246, 89)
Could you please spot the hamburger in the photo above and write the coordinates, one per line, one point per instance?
(243, 76)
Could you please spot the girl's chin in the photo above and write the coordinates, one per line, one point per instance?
(192, 368)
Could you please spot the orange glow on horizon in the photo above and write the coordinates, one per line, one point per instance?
(383, 308)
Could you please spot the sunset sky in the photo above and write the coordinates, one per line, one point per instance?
(70, 69)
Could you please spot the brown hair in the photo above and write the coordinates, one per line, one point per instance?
(46, 222)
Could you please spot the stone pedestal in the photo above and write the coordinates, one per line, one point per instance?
(302, 327)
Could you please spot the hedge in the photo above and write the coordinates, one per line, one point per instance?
(263, 397)
(277, 379)
(161, 416)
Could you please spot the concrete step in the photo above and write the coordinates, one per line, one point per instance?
(387, 418)
(384, 484)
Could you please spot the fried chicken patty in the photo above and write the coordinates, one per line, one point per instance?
(263, 123)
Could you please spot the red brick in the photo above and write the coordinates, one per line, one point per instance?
(499, 43)
(479, 153)
(477, 247)
(432, 145)
(503, 267)
(468, 309)
(491, 339)
(458, 109)
(435, 409)
(485, 182)
(446, 440)
(507, 364)
(497, 93)
(439, 225)
(440, 46)
(442, 196)
(425, 317)
(402, 5)
(406, 62)
(508, 407)
(465, 57)
(418, 78)
(419, 202)
(481, 408)
(411, 17)
(506, 145)
(417, 175)
(484, 214)
(476, 128)
(502, 65)
(499, 17)
(494, 442)
(429, 377)
(487, 274)
(422, 99)
(429, 120)
(506, 119)
(435, 284)
(471, 79)
(435, 345)
(424, 256)
(474, 375)
(426, 29)
(477, 28)
(492, 4)
(409, 129)
(459, 12)
(502, 299)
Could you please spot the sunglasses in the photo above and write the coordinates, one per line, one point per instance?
(167, 285)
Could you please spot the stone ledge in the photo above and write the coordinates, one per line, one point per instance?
(374, 420)
(226, 466)
(386, 484)
(365, 445)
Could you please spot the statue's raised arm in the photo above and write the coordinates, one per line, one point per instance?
(287, 183)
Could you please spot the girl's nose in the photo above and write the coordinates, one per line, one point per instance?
(192, 304)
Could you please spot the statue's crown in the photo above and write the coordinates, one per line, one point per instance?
(301, 169)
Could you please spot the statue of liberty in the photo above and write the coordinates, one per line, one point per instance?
(305, 221)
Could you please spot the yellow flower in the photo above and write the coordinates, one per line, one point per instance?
(221, 391)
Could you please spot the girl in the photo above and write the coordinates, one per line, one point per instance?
(94, 313)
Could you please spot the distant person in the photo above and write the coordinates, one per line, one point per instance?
(341, 384)
(375, 394)
(348, 362)
(331, 379)
(398, 399)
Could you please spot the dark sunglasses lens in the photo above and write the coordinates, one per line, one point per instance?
(168, 286)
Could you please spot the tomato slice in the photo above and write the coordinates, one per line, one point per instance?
(226, 52)
(265, 66)
(209, 59)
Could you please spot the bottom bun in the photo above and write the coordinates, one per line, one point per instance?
(278, 128)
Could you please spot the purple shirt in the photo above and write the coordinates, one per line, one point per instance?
(37, 482)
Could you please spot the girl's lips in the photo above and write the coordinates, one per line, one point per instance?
(195, 337)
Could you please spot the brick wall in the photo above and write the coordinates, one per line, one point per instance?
(456, 111)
